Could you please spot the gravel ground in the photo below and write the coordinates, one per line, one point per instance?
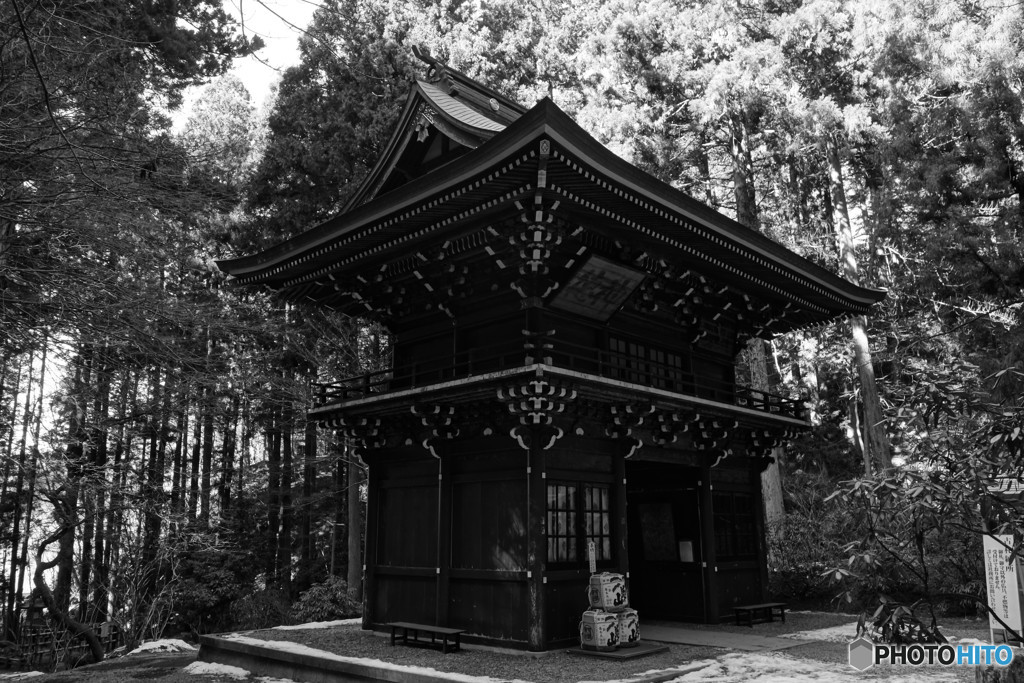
(558, 666)
(552, 667)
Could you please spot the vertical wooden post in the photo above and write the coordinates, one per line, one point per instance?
(619, 522)
(761, 534)
(536, 547)
(370, 547)
(709, 554)
(444, 535)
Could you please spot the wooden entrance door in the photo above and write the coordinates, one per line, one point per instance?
(665, 554)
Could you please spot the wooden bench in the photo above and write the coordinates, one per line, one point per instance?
(766, 609)
(434, 632)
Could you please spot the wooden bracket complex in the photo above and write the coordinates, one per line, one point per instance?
(364, 432)
(437, 419)
(535, 403)
(624, 419)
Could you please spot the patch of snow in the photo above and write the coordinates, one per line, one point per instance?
(20, 675)
(966, 641)
(166, 645)
(268, 679)
(285, 646)
(214, 669)
(682, 668)
(778, 668)
(319, 624)
(833, 634)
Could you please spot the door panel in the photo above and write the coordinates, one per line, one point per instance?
(666, 575)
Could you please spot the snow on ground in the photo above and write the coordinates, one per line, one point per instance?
(834, 634)
(286, 646)
(20, 675)
(166, 645)
(778, 668)
(214, 669)
(683, 668)
(320, 624)
(967, 641)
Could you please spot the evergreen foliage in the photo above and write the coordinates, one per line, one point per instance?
(152, 425)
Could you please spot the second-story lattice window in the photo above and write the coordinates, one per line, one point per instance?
(641, 364)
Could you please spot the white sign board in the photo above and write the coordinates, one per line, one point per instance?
(1003, 590)
(592, 556)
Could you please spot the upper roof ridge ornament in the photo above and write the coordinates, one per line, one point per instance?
(437, 71)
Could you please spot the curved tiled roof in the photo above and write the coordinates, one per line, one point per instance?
(458, 110)
(589, 182)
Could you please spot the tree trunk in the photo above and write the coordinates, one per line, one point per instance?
(122, 456)
(154, 486)
(197, 439)
(877, 441)
(101, 572)
(273, 498)
(306, 541)
(94, 483)
(50, 600)
(243, 454)
(284, 539)
(227, 461)
(204, 489)
(31, 473)
(77, 440)
(10, 614)
(771, 477)
(703, 165)
(9, 449)
(341, 501)
(757, 362)
(178, 466)
(743, 171)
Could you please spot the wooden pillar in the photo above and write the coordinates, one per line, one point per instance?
(444, 536)
(619, 522)
(707, 532)
(370, 549)
(760, 532)
(536, 548)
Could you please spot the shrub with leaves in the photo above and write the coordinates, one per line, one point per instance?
(262, 609)
(326, 601)
(812, 535)
(924, 522)
(209, 581)
(896, 623)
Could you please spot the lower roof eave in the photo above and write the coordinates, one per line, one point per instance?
(589, 386)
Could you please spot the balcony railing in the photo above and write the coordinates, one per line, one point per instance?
(607, 364)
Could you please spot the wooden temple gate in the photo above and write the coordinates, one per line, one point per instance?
(565, 331)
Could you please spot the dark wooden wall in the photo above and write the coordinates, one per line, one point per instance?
(741, 577)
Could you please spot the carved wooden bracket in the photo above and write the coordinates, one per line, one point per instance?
(438, 421)
(535, 403)
(364, 432)
(763, 441)
(711, 435)
(666, 426)
(534, 243)
(623, 419)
